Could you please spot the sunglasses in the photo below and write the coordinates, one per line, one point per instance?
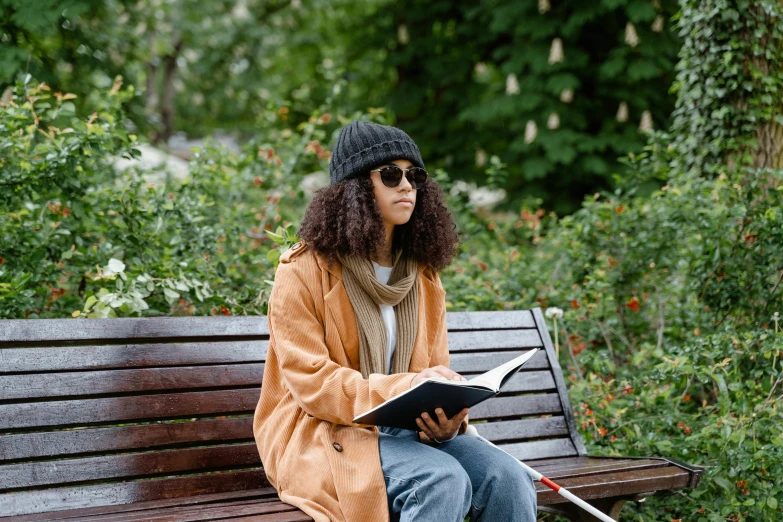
(391, 175)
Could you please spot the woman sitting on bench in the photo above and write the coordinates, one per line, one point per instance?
(357, 315)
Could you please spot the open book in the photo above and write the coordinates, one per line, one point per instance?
(402, 410)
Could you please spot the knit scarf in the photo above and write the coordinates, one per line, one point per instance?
(366, 293)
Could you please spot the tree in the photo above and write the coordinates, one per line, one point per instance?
(557, 90)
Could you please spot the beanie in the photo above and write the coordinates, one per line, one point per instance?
(363, 145)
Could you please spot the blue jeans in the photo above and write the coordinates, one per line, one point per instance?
(445, 483)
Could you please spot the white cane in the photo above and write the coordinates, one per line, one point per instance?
(563, 492)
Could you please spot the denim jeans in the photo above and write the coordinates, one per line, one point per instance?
(447, 482)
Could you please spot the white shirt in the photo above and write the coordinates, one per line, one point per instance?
(382, 274)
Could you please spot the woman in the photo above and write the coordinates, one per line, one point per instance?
(357, 315)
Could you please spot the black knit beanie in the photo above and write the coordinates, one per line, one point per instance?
(363, 145)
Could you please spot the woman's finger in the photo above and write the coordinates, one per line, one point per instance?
(443, 421)
(430, 422)
(423, 427)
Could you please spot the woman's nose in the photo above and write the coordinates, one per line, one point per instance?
(405, 184)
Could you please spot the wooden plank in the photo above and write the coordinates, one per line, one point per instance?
(290, 516)
(516, 406)
(540, 428)
(557, 373)
(599, 466)
(617, 484)
(18, 332)
(266, 494)
(84, 412)
(104, 382)
(102, 357)
(56, 499)
(474, 363)
(457, 321)
(562, 447)
(200, 513)
(146, 463)
(493, 340)
(147, 514)
(100, 440)
(529, 382)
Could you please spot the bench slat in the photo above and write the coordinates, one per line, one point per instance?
(473, 363)
(101, 440)
(24, 331)
(493, 340)
(55, 499)
(581, 466)
(102, 357)
(495, 407)
(484, 320)
(219, 511)
(503, 431)
(127, 465)
(540, 448)
(267, 494)
(133, 408)
(16, 387)
(617, 484)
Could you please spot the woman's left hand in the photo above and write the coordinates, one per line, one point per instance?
(441, 428)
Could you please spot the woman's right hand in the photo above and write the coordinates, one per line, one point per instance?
(437, 371)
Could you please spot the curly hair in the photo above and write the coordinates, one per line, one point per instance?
(345, 218)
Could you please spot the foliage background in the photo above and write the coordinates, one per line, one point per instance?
(669, 277)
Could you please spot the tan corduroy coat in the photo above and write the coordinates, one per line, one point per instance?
(312, 452)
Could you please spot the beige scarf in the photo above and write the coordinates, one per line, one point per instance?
(366, 293)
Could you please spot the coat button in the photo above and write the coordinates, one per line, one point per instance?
(337, 446)
(296, 245)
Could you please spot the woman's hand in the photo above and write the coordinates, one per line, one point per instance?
(437, 371)
(441, 429)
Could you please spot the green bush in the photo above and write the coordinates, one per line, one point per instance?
(81, 238)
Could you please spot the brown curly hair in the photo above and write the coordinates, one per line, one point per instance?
(345, 218)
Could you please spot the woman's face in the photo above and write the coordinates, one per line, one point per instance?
(392, 201)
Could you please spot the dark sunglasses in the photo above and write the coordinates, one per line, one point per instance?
(391, 175)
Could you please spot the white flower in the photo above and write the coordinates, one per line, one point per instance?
(631, 38)
(646, 123)
(481, 158)
(566, 96)
(402, 34)
(556, 51)
(486, 198)
(657, 25)
(531, 131)
(553, 312)
(512, 84)
(543, 6)
(622, 112)
(115, 266)
(553, 122)
(776, 317)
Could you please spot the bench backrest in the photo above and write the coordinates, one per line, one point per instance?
(101, 412)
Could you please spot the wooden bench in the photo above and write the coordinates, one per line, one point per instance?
(150, 419)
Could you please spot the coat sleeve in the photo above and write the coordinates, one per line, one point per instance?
(321, 387)
(440, 352)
